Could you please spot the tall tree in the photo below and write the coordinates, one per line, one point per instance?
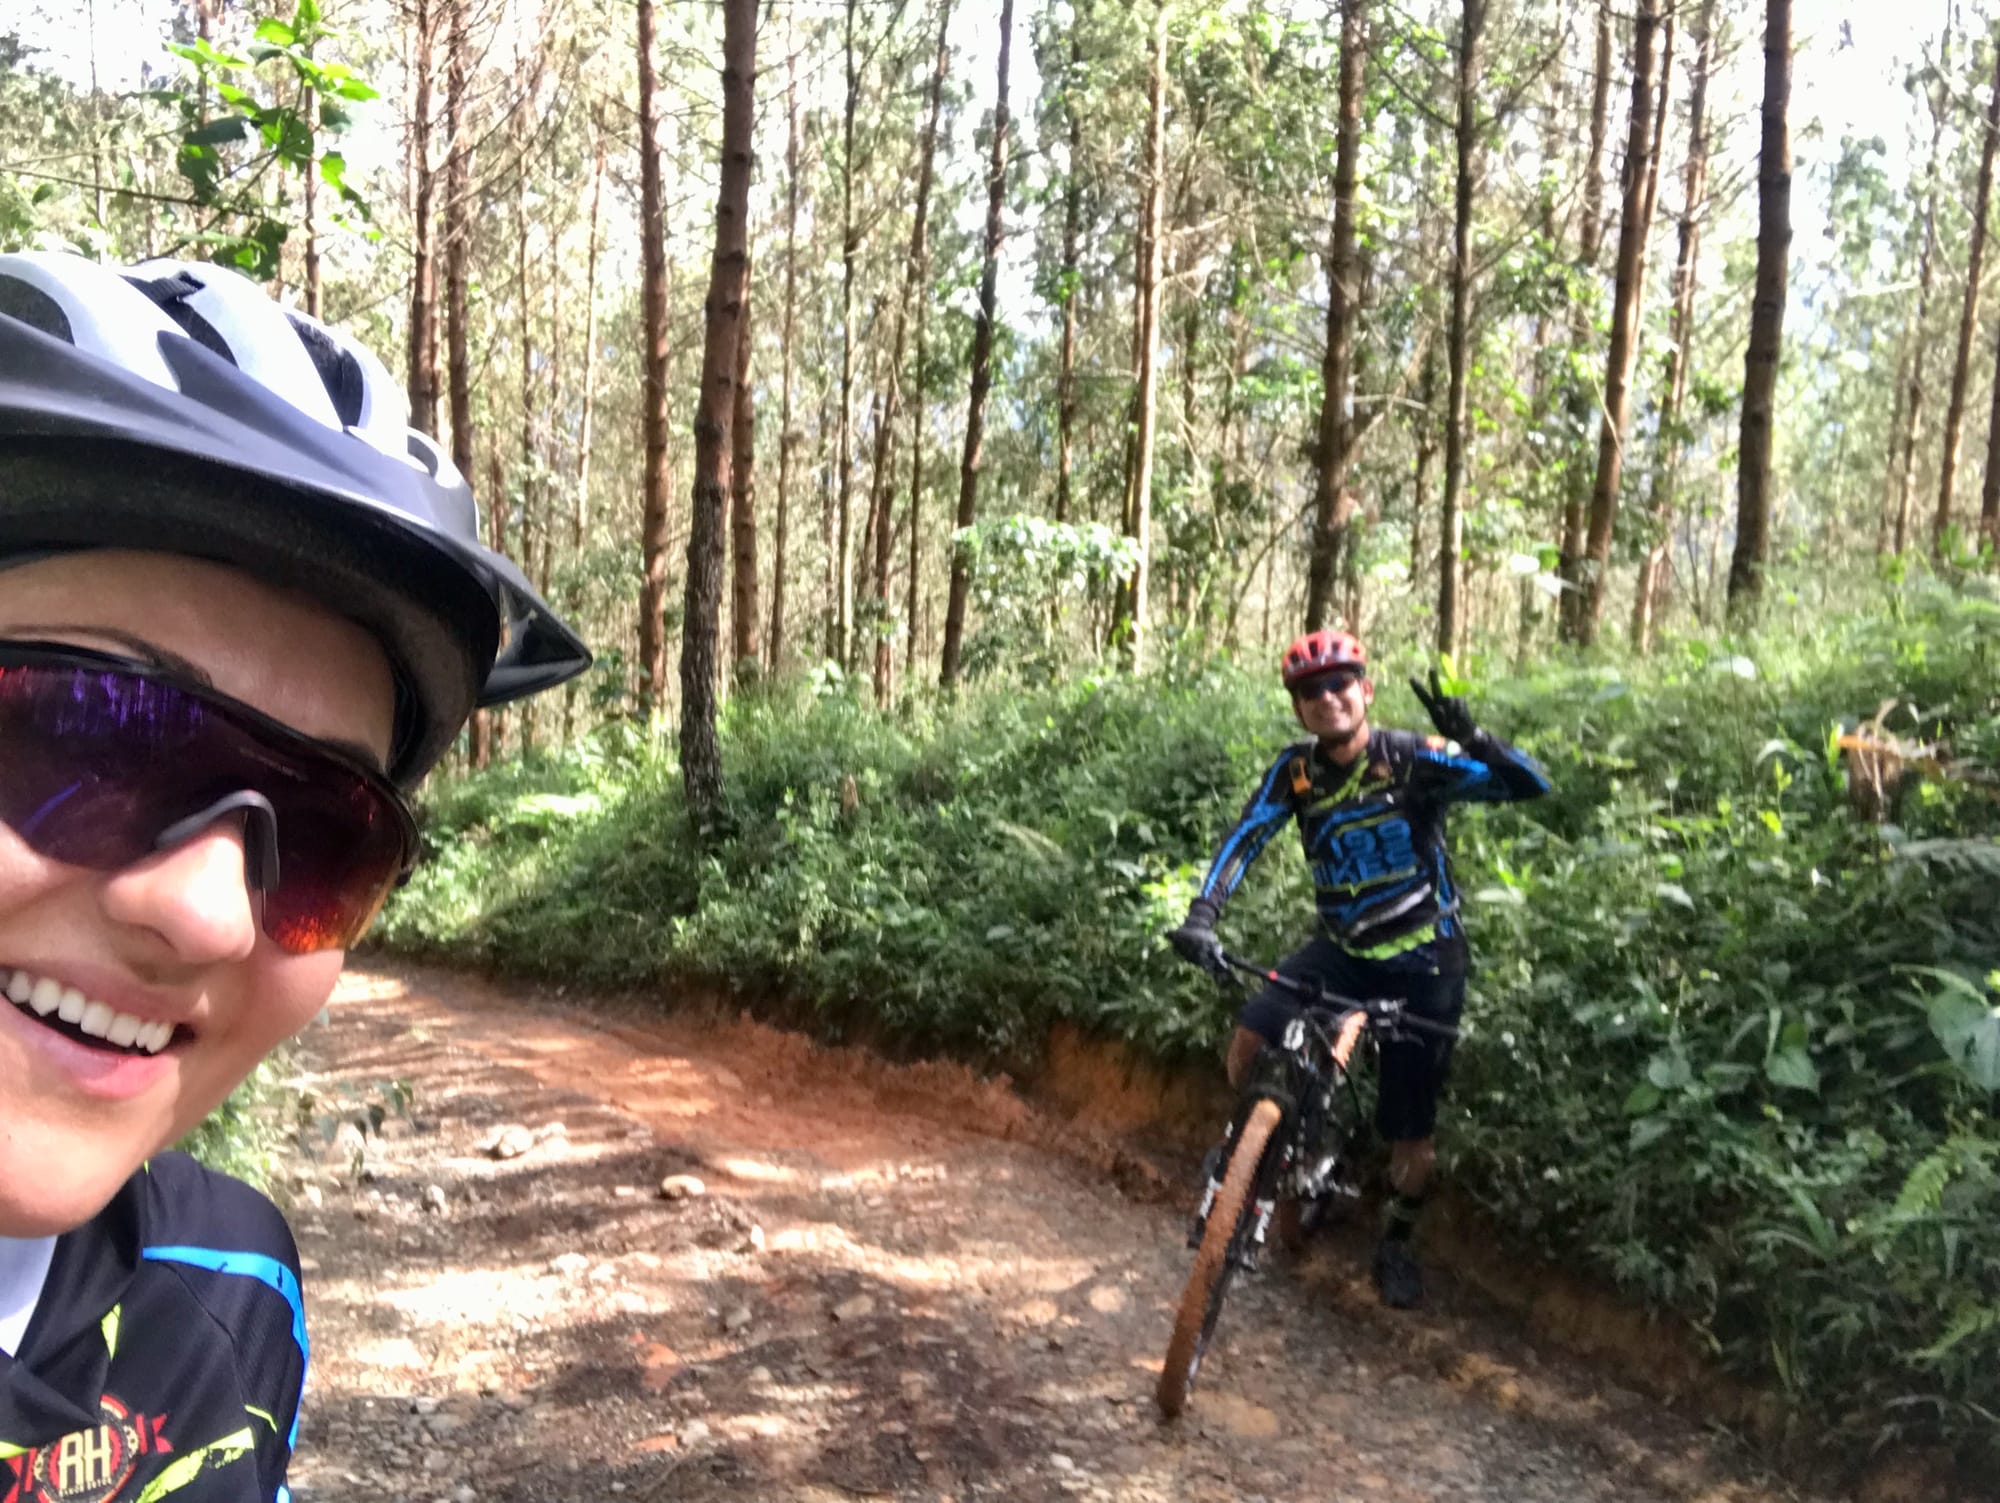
(1968, 321)
(1069, 290)
(423, 382)
(1458, 345)
(1916, 347)
(881, 508)
(457, 278)
(1648, 594)
(1129, 624)
(715, 416)
(840, 644)
(982, 359)
(1767, 317)
(787, 439)
(1333, 507)
(1627, 299)
(656, 500)
(743, 620)
(1583, 402)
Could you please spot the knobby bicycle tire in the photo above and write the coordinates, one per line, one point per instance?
(1201, 1300)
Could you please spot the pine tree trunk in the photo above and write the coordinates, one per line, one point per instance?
(1579, 475)
(1648, 595)
(982, 359)
(311, 215)
(1072, 229)
(1420, 484)
(1918, 345)
(841, 648)
(1458, 350)
(1331, 506)
(1767, 318)
(743, 614)
(654, 522)
(1129, 621)
(715, 415)
(1627, 304)
(881, 482)
(1968, 321)
(586, 432)
(787, 439)
(422, 353)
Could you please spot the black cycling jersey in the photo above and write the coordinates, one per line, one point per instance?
(166, 1355)
(1373, 833)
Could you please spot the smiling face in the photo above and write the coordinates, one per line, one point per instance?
(172, 941)
(1334, 707)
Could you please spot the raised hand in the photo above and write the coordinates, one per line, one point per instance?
(1448, 713)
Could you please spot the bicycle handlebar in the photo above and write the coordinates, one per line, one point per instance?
(1388, 1012)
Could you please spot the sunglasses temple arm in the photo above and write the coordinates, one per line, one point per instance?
(260, 835)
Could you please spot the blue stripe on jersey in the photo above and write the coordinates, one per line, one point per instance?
(1258, 824)
(265, 1270)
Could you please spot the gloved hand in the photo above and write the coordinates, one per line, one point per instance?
(1448, 713)
(1195, 940)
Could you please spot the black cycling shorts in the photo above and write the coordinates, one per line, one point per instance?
(1414, 1069)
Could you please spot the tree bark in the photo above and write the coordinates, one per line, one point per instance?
(1767, 319)
(1582, 406)
(1332, 508)
(1425, 420)
(1917, 347)
(423, 382)
(881, 483)
(841, 647)
(715, 416)
(1072, 229)
(656, 503)
(1129, 621)
(1628, 299)
(743, 617)
(787, 439)
(1648, 595)
(1458, 349)
(982, 359)
(586, 433)
(1954, 414)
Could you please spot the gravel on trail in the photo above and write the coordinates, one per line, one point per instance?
(555, 1253)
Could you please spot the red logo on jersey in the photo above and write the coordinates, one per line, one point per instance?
(89, 1466)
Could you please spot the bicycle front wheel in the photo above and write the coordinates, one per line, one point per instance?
(1229, 1223)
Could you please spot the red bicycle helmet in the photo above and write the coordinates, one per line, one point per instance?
(1322, 651)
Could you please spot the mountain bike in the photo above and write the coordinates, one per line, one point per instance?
(1287, 1157)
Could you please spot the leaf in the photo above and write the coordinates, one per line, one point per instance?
(276, 33)
(1972, 1320)
(1968, 1027)
(218, 132)
(1792, 1067)
(1673, 892)
(999, 932)
(1669, 1071)
(1645, 1097)
(1512, 897)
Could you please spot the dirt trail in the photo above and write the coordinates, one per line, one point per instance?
(893, 1284)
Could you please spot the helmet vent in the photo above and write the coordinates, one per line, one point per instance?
(169, 295)
(339, 371)
(34, 307)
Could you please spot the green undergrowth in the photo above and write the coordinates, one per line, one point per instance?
(1730, 1045)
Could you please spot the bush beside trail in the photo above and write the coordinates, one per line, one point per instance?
(1729, 1045)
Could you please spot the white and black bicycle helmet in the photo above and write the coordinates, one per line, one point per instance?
(173, 407)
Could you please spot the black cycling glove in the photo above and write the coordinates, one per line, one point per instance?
(1195, 940)
(1448, 713)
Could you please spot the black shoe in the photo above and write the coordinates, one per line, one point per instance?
(1398, 1279)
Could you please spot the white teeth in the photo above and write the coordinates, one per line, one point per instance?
(43, 996)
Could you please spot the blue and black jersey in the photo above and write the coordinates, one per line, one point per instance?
(1373, 834)
(166, 1355)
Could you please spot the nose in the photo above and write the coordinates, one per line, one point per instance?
(194, 896)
